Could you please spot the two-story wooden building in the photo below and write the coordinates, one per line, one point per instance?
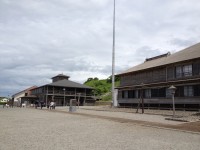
(61, 90)
(152, 79)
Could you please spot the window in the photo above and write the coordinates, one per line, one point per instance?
(196, 90)
(196, 68)
(158, 92)
(178, 72)
(168, 93)
(170, 73)
(187, 70)
(131, 94)
(179, 91)
(183, 71)
(188, 91)
(136, 94)
(147, 93)
(124, 94)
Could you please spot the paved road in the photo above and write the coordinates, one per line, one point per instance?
(24, 128)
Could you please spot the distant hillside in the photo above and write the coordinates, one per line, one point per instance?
(102, 87)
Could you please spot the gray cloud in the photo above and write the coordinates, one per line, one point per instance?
(182, 42)
(40, 39)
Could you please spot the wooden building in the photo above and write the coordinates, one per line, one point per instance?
(61, 90)
(24, 97)
(151, 80)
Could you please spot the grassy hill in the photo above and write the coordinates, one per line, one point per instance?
(102, 87)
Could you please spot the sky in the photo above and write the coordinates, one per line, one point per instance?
(40, 39)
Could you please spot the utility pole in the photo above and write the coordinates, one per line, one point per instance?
(113, 58)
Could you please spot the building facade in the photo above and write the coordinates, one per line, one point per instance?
(61, 90)
(24, 97)
(150, 80)
(4, 100)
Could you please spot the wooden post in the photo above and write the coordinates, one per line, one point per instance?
(139, 102)
(85, 97)
(142, 101)
(46, 90)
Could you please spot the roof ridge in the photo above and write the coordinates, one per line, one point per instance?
(158, 56)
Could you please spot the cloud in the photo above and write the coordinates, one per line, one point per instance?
(40, 39)
(182, 42)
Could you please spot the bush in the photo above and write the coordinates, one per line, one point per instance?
(2, 103)
(107, 97)
(101, 87)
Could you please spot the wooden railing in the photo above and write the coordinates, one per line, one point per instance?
(67, 93)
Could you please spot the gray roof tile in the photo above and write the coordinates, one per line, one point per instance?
(68, 83)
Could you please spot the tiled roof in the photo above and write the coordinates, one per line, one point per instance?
(26, 90)
(189, 53)
(68, 83)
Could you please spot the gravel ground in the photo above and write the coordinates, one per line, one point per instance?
(131, 116)
(34, 129)
(190, 116)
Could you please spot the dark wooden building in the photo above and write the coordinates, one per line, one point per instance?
(61, 90)
(151, 80)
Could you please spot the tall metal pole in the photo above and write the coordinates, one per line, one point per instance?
(113, 58)
(64, 99)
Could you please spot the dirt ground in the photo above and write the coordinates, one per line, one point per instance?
(188, 126)
(31, 129)
(186, 120)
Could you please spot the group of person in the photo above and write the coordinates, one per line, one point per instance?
(51, 105)
(5, 105)
(39, 104)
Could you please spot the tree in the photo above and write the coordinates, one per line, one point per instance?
(96, 78)
(88, 80)
(109, 79)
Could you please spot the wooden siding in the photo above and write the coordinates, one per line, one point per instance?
(157, 75)
(185, 100)
(164, 74)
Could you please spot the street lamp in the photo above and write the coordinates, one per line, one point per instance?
(64, 96)
(172, 90)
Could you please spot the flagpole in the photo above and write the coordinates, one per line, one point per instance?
(113, 58)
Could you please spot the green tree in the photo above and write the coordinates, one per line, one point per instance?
(101, 87)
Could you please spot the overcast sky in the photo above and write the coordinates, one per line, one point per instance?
(42, 38)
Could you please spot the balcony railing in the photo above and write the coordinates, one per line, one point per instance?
(68, 93)
(183, 74)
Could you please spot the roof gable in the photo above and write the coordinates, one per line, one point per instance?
(26, 90)
(68, 83)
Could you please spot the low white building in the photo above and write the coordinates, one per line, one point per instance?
(4, 100)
